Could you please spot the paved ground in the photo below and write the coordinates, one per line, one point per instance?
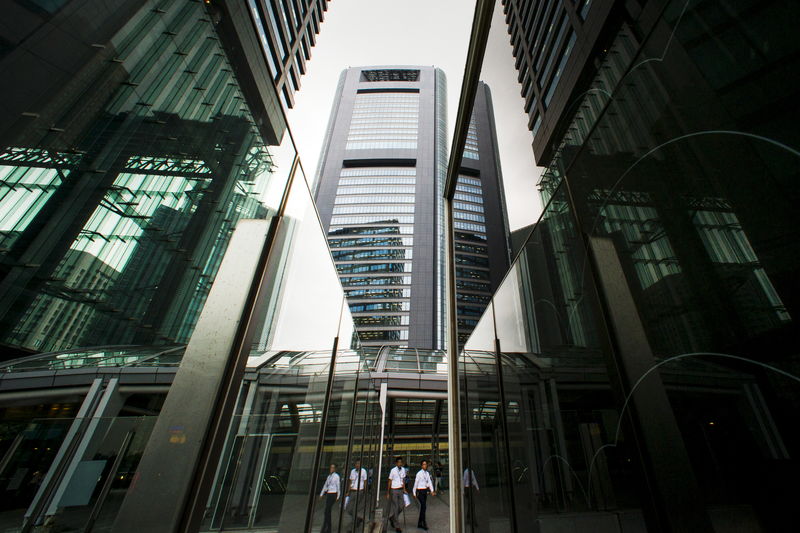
(438, 516)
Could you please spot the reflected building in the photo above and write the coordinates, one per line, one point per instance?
(126, 162)
(650, 317)
(378, 191)
(480, 219)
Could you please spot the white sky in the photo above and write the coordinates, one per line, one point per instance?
(418, 32)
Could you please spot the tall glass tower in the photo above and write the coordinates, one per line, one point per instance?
(378, 191)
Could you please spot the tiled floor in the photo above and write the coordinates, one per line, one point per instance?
(438, 516)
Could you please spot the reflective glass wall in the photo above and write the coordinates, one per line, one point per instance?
(128, 153)
(637, 367)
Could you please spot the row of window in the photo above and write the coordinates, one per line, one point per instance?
(379, 293)
(348, 230)
(384, 132)
(469, 189)
(386, 98)
(386, 104)
(371, 242)
(385, 116)
(461, 236)
(395, 95)
(379, 208)
(375, 189)
(472, 274)
(471, 285)
(354, 199)
(469, 226)
(468, 207)
(466, 310)
(375, 219)
(467, 197)
(355, 281)
(378, 171)
(372, 254)
(403, 118)
(378, 267)
(468, 180)
(468, 216)
(402, 111)
(480, 299)
(379, 180)
(383, 231)
(466, 323)
(375, 123)
(471, 248)
(381, 320)
(384, 335)
(472, 260)
(380, 306)
(381, 145)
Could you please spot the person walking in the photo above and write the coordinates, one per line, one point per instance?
(471, 491)
(394, 493)
(423, 485)
(330, 491)
(355, 493)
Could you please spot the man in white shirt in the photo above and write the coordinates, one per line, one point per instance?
(394, 492)
(423, 485)
(355, 492)
(330, 491)
(471, 490)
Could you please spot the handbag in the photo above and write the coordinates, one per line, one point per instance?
(406, 499)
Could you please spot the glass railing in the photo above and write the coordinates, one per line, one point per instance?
(112, 356)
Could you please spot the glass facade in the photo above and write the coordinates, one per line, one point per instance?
(384, 120)
(635, 369)
(473, 283)
(377, 249)
(116, 217)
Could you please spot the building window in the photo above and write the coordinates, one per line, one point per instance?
(390, 75)
(384, 120)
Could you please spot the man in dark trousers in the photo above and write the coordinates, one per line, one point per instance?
(330, 491)
(423, 485)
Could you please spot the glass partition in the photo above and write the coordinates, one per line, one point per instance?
(654, 294)
(696, 197)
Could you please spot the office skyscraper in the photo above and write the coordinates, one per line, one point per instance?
(480, 222)
(379, 194)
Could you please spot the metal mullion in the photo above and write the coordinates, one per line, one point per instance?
(350, 445)
(321, 440)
